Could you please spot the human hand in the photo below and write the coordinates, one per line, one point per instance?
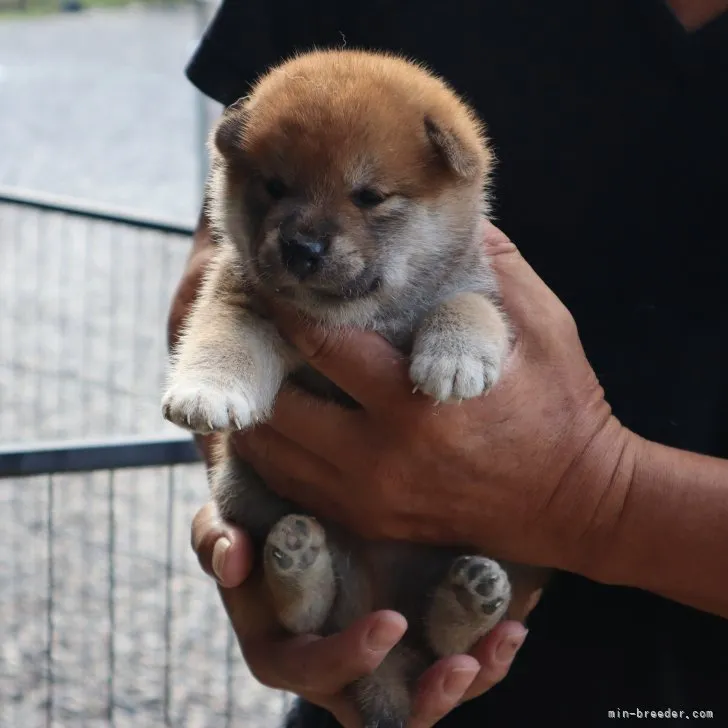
(318, 669)
(532, 473)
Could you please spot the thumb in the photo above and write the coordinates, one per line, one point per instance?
(529, 303)
(224, 552)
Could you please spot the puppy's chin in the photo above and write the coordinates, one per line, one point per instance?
(353, 302)
(367, 284)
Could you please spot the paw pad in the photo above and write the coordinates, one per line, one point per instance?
(294, 544)
(480, 584)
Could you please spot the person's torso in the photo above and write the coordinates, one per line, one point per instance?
(611, 130)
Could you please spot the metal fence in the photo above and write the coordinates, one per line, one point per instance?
(105, 616)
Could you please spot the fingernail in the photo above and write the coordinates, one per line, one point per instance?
(383, 636)
(506, 650)
(458, 681)
(219, 552)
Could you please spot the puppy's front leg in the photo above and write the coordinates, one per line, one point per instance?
(459, 350)
(230, 362)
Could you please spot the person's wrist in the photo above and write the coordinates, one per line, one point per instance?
(593, 494)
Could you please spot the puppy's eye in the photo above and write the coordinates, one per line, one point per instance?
(366, 197)
(276, 188)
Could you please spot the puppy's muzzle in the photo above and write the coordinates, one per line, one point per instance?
(302, 255)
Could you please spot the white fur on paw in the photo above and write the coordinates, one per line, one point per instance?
(203, 407)
(454, 375)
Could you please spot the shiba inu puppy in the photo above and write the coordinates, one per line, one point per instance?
(353, 186)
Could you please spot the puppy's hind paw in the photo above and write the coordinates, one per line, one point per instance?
(299, 573)
(293, 545)
(472, 599)
(480, 584)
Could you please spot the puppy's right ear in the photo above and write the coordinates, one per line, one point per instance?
(452, 150)
(228, 134)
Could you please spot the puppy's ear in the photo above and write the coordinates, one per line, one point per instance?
(452, 151)
(227, 136)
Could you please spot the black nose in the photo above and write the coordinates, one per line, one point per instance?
(301, 254)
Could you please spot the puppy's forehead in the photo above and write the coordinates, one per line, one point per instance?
(364, 137)
(343, 153)
(358, 125)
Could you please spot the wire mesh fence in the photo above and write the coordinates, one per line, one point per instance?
(106, 618)
(82, 323)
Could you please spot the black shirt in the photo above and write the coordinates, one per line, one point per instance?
(610, 123)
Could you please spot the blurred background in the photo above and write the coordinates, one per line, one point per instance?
(105, 617)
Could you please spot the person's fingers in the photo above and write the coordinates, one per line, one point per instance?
(496, 241)
(224, 552)
(324, 665)
(264, 449)
(362, 363)
(456, 679)
(343, 710)
(441, 689)
(322, 428)
(530, 304)
(496, 653)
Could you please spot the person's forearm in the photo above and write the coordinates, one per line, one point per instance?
(672, 535)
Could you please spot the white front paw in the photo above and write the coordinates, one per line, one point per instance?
(205, 407)
(455, 372)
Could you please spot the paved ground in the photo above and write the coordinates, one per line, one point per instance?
(96, 105)
(104, 615)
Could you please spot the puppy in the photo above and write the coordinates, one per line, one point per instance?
(351, 185)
